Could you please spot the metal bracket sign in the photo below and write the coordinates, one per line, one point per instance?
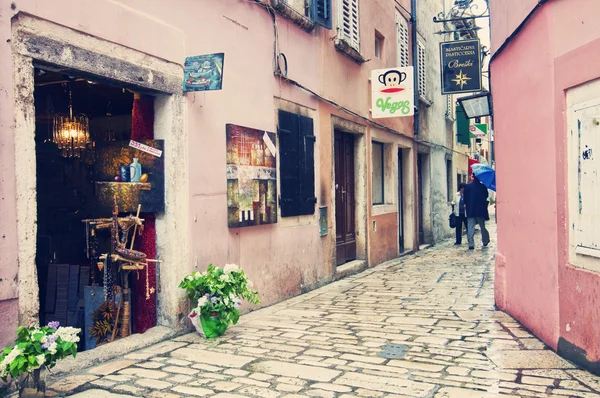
(460, 66)
(478, 130)
(392, 92)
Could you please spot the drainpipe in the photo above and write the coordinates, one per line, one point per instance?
(415, 55)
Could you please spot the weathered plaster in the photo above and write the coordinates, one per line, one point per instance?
(172, 226)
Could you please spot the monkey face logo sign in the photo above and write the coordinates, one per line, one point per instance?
(392, 92)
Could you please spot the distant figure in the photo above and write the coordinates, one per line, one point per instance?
(461, 218)
(476, 202)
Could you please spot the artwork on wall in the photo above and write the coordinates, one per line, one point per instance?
(134, 172)
(251, 177)
(203, 72)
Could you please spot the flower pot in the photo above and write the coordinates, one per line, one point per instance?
(208, 326)
(33, 385)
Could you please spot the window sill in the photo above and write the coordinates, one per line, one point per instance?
(384, 209)
(294, 16)
(349, 51)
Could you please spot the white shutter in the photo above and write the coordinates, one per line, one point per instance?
(349, 23)
(402, 40)
(422, 75)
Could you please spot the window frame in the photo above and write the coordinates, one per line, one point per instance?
(381, 145)
(422, 64)
(353, 42)
(402, 41)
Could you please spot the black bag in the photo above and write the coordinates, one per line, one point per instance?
(452, 219)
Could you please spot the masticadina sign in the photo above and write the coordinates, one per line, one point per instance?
(460, 66)
(392, 92)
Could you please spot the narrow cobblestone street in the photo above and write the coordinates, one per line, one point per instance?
(419, 326)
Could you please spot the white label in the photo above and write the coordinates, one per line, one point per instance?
(270, 145)
(145, 148)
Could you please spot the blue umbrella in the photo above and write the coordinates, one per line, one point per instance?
(486, 175)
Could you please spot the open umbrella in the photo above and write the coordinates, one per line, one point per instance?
(486, 175)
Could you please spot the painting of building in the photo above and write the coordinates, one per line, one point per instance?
(203, 72)
(251, 177)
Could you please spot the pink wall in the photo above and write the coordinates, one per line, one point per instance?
(282, 259)
(506, 16)
(557, 50)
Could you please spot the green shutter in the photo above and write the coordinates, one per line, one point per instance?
(463, 135)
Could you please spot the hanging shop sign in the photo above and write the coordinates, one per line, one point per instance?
(478, 130)
(392, 92)
(460, 66)
(203, 72)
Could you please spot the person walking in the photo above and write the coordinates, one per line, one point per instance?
(476, 202)
(459, 212)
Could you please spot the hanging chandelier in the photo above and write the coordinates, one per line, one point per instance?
(71, 133)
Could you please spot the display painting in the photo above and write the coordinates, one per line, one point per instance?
(251, 177)
(203, 72)
(114, 159)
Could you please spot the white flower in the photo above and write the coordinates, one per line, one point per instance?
(68, 334)
(230, 268)
(226, 300)
(197, 275)
(224, 277)
(40, 360)
(52, 348)
(202, 301)
(189, 278)
(44, 339)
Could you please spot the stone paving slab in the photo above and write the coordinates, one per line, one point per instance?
(423, 325)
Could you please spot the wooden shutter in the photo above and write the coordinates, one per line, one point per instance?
(321, 12)
(349, 23)
(402, 40)
(463, 135)
(422, 70)
(307, 166)
(296, 164)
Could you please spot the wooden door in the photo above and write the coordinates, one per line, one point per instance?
(420, 198)
(400, 204)
(344, 198)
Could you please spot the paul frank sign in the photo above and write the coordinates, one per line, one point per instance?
(460, 66)
(392, 92)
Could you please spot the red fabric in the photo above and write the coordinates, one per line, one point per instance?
(144, 311)
(471, 163)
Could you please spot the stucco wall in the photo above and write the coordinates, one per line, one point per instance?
(283, 259)
(557, 50)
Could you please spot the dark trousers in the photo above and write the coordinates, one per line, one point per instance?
(461, 224)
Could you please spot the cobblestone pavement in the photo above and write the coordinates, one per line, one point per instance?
(420, 326)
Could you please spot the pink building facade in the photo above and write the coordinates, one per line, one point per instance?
(141, 45)
(544, 77)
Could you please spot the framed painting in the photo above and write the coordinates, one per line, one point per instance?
(203, 72)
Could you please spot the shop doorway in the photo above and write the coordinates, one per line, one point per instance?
(83, 277)
(400, 203)
(345, 206)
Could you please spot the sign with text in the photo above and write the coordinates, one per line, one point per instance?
(479, 130)
(392, 92)
(460, 66)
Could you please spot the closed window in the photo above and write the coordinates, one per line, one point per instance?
(297, 164)
(321, 12)
(348, 25)
(378, 44)
(402, 40)
(378, 176)
(422, 70)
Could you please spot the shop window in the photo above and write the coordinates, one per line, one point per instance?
(297, 164)
(378, 175)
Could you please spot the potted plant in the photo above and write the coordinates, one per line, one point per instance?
(216, 296)
(36, 349)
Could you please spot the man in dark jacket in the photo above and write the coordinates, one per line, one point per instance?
(476, 195)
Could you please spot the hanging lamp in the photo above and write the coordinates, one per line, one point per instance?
(71, 133)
